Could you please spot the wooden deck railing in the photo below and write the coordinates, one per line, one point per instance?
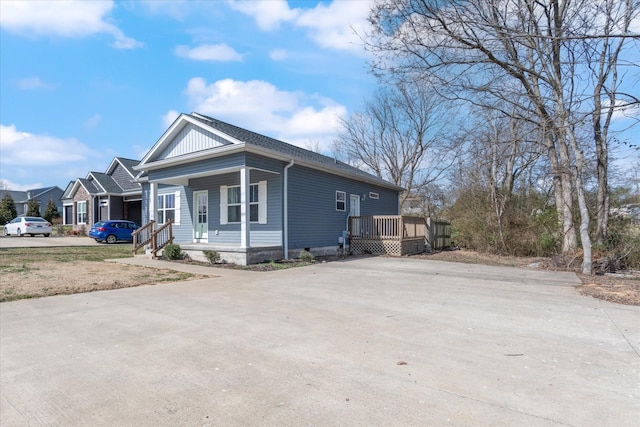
(387, 227)
(142, 236)
(161, 238)
(154, 239)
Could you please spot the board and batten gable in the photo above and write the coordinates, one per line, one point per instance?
(313, 218)
(192, 139)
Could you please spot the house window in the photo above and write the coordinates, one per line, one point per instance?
(341, 201)
(166, 208)
(233, 203)
(82, 212)
(254, 202)
(230, 205)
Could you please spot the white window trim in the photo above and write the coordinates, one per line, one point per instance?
(343, 201)
(262, 203)
(84, 203)
(176, 206)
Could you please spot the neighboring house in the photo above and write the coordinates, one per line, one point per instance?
(252, 197)
(22, 198)
(414, 205)
(99, 196)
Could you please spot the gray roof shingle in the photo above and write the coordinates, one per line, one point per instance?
(128, 164)
(249, 137)
(89, 186)
(107, 182)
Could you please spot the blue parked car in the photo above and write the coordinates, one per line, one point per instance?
(113, 231)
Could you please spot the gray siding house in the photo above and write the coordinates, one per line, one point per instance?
(41, 195)
(252, 197)
(114, 194)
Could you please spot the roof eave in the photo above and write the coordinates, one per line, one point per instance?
(321, 167)
(273, 154)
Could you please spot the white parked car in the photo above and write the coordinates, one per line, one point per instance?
(30, 225)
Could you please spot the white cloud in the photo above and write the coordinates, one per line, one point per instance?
(32, 83)
(208, 52)
(27, 158)
(623, 110)
(39, 150)
(278, 54)
(268, 14)
(293, 117)
(176, 9)
(338, 25)
(93, 121)
(169, 118)
(64, 18)
(12, 186)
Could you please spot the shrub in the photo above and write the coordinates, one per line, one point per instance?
(8, 209)
(622, 247)
(72, 232)
(173, 252)
(307, 256)
(212, 256)
(61, 230)
(33, 208)
(51, 211)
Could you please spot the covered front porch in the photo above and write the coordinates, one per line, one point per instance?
(152, 238)
(235, 211)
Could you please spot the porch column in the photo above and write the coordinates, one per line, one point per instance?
(245, 220)
(153, 196)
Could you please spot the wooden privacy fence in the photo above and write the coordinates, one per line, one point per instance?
(155, 240)
(439, 236)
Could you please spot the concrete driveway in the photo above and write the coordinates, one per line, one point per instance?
(369, 342)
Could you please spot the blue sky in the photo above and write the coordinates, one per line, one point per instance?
(83, 82)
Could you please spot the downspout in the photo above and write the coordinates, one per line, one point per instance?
(285, 238)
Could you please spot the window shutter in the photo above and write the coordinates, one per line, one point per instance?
(177, 202)
(223, 204)
(262, 202)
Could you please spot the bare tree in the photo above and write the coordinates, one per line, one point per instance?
(603, 58)
(313, 145)
(399, 136)
(509, 152)
(503, 49)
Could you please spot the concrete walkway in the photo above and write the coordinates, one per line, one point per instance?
(370, 342)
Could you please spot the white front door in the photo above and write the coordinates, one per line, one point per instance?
(200, 216)
(354, 205)
(354, 210)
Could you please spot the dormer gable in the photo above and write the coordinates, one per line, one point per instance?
(186, 136)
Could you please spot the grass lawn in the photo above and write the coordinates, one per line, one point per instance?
(37, 272)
